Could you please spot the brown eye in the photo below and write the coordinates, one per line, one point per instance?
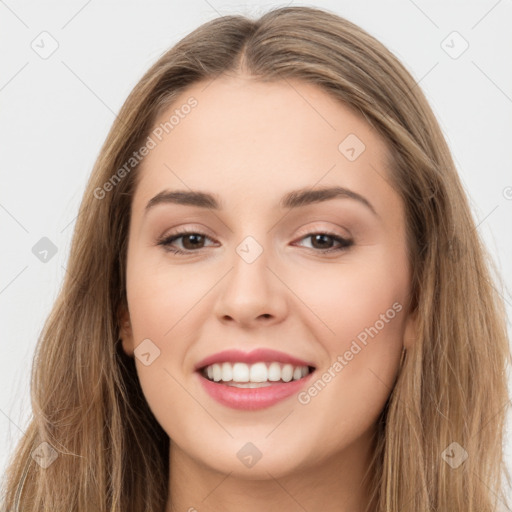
(324, 242)
(191, 242)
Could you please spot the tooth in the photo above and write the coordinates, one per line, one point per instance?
(240, 372)
(287, 372)
(249, 384)
(217, 372)
(258, 372)
(227, 372)
(274, 372)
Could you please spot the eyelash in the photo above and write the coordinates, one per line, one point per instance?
(166, 242)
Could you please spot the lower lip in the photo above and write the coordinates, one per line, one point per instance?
(252, 398)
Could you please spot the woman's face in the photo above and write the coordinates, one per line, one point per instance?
(324, 280)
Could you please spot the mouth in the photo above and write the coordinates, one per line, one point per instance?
(259, 385)
(256, 375)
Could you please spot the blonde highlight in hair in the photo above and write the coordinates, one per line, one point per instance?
(452, 385)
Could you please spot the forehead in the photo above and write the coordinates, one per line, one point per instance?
(245, 139)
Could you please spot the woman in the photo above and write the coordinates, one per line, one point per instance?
(276, 296)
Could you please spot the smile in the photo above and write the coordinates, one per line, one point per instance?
(252, 387)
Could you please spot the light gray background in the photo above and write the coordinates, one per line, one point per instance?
(56, 111)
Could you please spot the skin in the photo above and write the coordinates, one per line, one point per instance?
(250, 143)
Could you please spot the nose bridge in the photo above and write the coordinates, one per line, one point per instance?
(250, 276)
(251, 289)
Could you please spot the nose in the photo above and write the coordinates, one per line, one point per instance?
(251, 294)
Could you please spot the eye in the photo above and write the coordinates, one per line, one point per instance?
(193, 240)
(320, 241)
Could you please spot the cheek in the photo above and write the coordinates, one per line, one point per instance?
(159, 296)
(351, 389)
(158, 308)
(167, 304)
(347, 299)
(363, 305)
(361, 308)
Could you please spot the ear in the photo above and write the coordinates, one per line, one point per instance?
(125, 330)
(411, 329)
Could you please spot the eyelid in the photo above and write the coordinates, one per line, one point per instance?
(189, 228)
(320, 228)
(303, 231)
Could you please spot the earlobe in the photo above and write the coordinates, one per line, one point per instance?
(125, 331)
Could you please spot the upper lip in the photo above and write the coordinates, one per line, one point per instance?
(255, 356)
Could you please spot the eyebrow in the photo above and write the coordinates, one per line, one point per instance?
(294, 199)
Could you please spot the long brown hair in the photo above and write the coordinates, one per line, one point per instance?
(450, 396)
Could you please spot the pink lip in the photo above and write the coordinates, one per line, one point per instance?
(252, 398)
(261, 354)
